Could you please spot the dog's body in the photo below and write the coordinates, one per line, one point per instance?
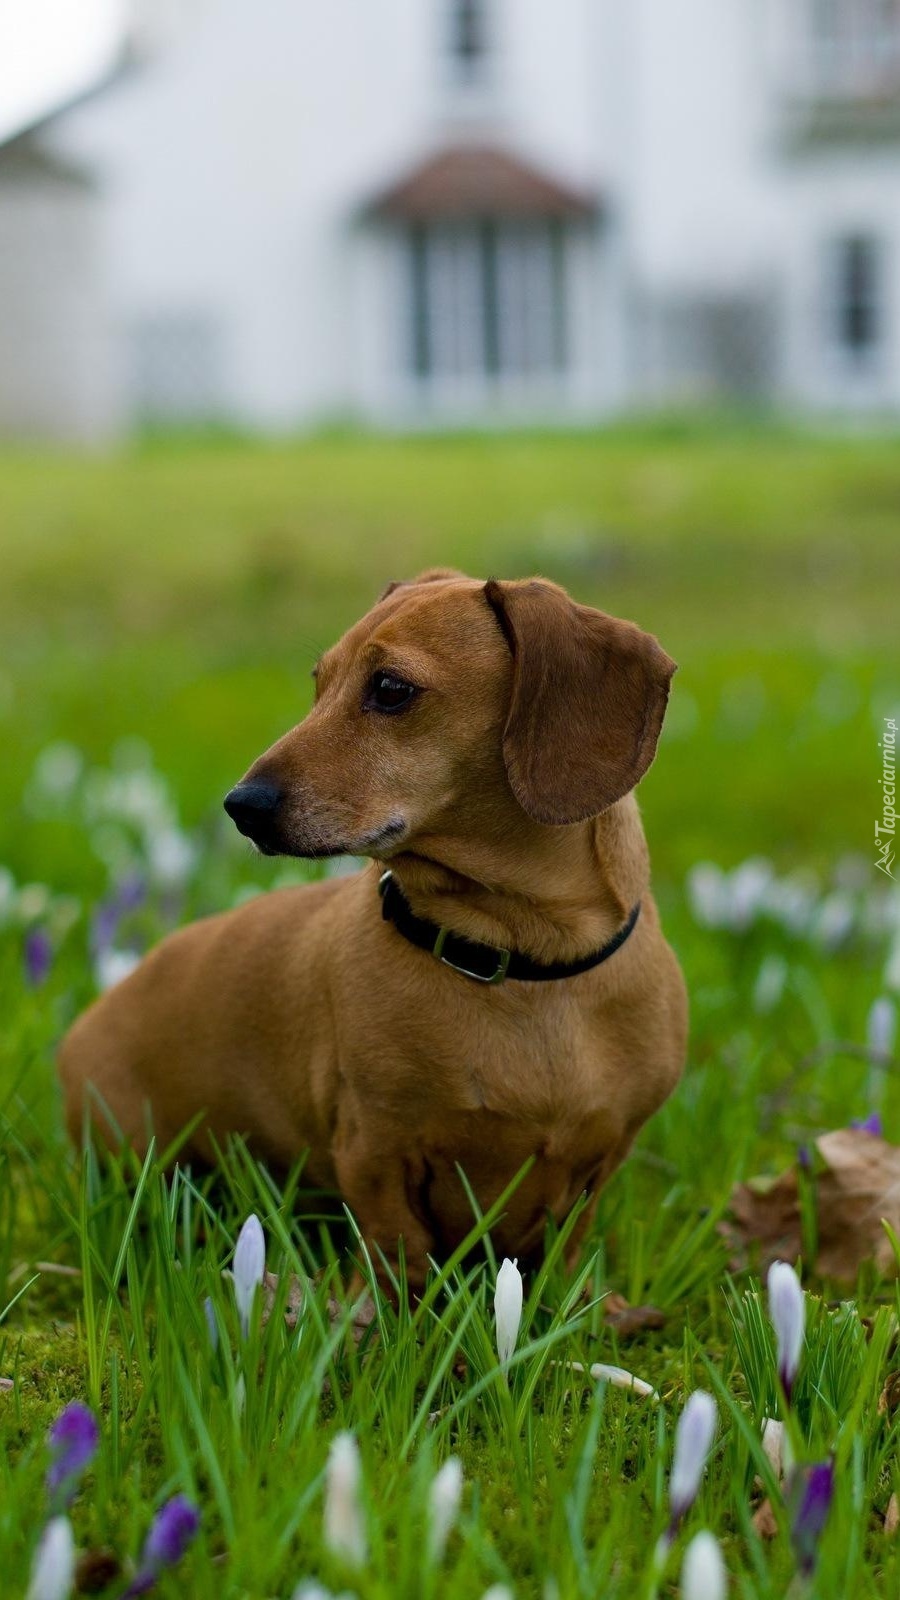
(305, 1020)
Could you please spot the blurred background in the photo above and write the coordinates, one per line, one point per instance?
(297, 299)
(442, 212)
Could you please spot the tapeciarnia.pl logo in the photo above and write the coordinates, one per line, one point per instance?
(885, 830)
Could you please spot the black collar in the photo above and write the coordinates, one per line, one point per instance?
(487, 963)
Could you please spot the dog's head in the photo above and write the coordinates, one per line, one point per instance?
(456, 704)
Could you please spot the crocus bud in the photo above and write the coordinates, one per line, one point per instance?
(881, 1028)
(249, 1268)
(775, 1446)
(703, 1574)
(693, 1441)
(345, 1530)
(73, 1441)
(507, 1310)
(53, 1570)
(787, 1310)
(209, 1312)
(498, 1591)
(173, 1528)
(810, 1496)
(443, 1506)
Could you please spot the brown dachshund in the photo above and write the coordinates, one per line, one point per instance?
(503, 992)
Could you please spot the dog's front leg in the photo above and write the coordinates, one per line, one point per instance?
(384, 1189)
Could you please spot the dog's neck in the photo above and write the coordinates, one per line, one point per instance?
(555, 894)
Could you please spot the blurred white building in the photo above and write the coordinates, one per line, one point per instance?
(443, 212)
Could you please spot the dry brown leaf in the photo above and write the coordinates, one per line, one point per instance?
(765, 1521)
(892, 1516)
(889, 1399)
(6, 1385)
(363, 1311)
(857, 1184)
(293, 1304)
(95, 1570)
(627, 1320)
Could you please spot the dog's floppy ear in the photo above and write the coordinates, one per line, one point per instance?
(588, 699)
(432, 575)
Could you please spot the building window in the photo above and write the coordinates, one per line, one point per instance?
(856, 46)
(486, 300)
(468, 38)
(857, 313)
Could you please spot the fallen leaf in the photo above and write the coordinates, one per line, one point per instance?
(856, 1184)
(889, 1399)
(293, 1304)
(361, 1320)
(765, 1521)
(6, 1385)
(892, 1516)
(627, 1320)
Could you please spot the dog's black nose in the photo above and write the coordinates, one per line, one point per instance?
(251, 806)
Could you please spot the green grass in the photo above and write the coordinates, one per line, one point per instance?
(177, 596)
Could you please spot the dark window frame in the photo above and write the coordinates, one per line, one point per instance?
(858, 304)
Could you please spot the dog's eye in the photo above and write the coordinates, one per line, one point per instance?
(389, 693)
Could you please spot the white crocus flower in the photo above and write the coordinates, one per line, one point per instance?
(345, 1531)
(53, 1572)
(881, 1028)
(773, 1444)
(776, 1443)
(249, 1267)
(111, 966)
(703, 1575)
(498, 1591)
(443, 1506)
(507, 1309)
(787, 1310)
(770, 983)
(707, 893)
(171, 857)
(693, 1441)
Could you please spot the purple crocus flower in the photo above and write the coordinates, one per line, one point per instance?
(810, 1497)
(694, 1436)
(108, 914)
(870, 1124)
(38, 957)
(73, 1441)
(174, 1527)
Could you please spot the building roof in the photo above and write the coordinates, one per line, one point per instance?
(118, 68)
(468, 181)
(23, 159)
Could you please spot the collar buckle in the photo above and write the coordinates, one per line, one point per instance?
(503, 960)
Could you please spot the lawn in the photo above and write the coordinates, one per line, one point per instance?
(160, 612)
